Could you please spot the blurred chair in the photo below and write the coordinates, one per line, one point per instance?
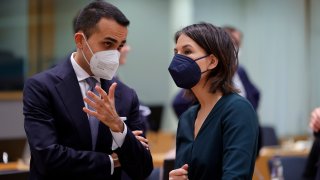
(269, 136)
(155, 117)
(11, 71)
(293, 166)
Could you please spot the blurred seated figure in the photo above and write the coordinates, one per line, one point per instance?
(269, 136)
(11, 71)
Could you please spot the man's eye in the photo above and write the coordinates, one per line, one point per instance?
(108, 44)
(120, 47)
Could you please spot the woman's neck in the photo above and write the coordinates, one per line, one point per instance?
(206, 99)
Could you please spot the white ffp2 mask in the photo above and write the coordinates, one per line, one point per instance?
(103, 64)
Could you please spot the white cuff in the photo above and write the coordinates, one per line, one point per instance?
(112, 164)
(118, 137)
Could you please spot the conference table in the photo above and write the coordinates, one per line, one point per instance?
(14, 171)
(16, 165)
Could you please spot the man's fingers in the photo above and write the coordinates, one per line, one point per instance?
(137, 132)
(102, 93)
(90, 112)
(92, 99)
(142, 139)
(144, 145)
(112, 89)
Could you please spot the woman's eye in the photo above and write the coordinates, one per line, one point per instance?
(175, 52)
(187, 52)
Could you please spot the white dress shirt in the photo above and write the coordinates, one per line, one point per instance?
(238, 84)
(82, 75)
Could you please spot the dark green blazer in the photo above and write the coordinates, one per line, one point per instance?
(226, 144)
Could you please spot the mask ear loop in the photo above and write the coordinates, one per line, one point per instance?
(202, 58)
(85, 40)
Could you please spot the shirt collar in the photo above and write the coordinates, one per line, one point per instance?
(80, 72)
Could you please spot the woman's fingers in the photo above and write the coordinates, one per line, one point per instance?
(181, 173)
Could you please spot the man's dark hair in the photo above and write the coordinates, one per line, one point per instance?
(230, 30)
(214, 40)
(92, 14)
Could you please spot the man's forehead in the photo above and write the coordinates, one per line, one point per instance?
(110, 27)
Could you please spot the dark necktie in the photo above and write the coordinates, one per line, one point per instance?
(93, 121)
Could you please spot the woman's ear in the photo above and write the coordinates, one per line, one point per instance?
(214, 62)
(78, 39)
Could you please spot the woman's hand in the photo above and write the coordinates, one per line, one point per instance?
(181, 173)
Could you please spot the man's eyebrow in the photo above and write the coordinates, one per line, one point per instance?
(111, 39)
(114, 40)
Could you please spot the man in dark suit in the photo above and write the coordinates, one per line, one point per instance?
(78, 118)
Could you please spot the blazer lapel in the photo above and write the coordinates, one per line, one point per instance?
(70, 93)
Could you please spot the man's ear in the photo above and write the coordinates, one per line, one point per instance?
(214, 62)
(79, 40)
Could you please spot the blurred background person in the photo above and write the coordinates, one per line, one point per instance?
(241, 78)
(143, 109)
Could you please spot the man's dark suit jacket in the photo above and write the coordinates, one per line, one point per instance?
(59, 134)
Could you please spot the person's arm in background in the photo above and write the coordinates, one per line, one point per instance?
(314, 123)
(311, 166)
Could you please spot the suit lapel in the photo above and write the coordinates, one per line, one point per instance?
(70, 93)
